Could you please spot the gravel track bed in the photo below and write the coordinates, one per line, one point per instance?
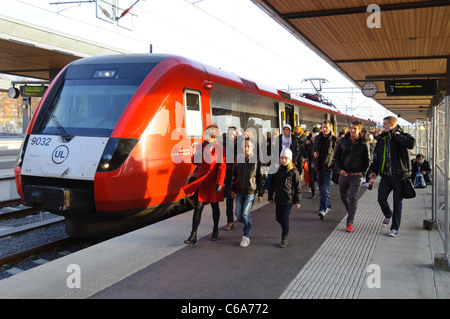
(11, 245)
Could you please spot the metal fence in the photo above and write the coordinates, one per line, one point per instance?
(423, 135)
(441, 171)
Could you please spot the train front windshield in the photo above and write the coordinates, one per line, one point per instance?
(84, 109)
(89, 101)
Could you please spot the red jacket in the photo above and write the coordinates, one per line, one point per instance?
(211, 172)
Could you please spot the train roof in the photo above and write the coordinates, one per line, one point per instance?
(123, 58)
(215, 75)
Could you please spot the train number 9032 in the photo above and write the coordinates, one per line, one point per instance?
(43, 141)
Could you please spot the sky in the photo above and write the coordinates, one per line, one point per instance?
(234, 35)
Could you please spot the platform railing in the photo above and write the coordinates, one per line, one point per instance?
(441, 177)
(423, 136)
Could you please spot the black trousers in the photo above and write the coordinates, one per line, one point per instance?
(196, 218)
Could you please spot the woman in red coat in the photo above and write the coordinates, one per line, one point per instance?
(209, 181)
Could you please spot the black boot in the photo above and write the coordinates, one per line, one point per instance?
(192, 239)
(284, 242)
(215, 234)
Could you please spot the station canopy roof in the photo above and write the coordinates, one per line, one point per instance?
(26, 60)
(412, 42)
(32, 51)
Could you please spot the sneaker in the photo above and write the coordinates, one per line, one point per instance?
(349, 229)
(284, 242)
(245, 241)
(321, 214)
(328, 210)
(393, 233)
(386, 222)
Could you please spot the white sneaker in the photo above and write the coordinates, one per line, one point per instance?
(245, 241)
(321, 214)
(393, 233)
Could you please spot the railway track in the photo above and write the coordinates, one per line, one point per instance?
(8, 261)
(14, 209)
(25, 233)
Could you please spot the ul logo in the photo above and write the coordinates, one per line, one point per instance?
(60, 154)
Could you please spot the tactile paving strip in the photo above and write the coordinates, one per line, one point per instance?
(339, 267)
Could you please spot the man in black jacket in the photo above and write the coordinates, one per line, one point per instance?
(391, 161)
(352, 159)
(419, 164)
(323, 151)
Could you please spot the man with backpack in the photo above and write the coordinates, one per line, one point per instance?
(420, 172)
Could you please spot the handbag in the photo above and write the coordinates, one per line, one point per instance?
(408, 189)
(306, 172)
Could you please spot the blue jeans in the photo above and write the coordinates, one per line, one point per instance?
(282, 216)
(325, 184)
(387, 184)
(244, 205)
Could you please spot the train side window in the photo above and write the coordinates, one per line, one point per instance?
(193, 113)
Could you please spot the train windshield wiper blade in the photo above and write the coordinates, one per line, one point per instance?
(66, 137)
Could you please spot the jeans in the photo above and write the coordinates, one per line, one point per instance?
(282, 216)
(349, 187)
(387, 184)
(325, 184)
(244, 205)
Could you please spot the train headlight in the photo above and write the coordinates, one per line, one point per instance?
(115, 153)
(104, 74)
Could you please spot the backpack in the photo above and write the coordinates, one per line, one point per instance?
(419, 181)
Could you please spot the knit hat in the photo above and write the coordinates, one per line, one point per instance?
(286, 152)
(288, 126)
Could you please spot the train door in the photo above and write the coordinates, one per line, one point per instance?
(332, 118)
(285, 114)
(296, 115)
(289, 110)
(281, 115)
(194, 120)
(193, 113)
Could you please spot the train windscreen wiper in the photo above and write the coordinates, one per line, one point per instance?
(66, 137)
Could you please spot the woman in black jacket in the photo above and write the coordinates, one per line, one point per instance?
(286, 185)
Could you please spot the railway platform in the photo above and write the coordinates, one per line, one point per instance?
(322, 261)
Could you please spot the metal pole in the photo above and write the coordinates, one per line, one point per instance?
(433, 163)
(447, 175)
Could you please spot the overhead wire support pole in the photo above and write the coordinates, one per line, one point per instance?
(72, 2)
(126, 11)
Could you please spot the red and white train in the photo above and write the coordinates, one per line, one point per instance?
(110, 144)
